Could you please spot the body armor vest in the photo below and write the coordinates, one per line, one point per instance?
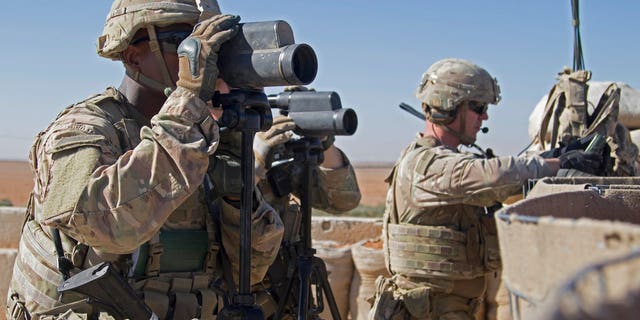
(454, 249)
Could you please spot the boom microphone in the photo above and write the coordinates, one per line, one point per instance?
(484, 129)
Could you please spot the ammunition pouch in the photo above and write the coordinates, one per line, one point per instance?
(418, 302)
(398, 298)
(225, 173)
(179, 298)
(388, 304)
(174, 251)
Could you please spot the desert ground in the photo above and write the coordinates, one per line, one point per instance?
(16, 182)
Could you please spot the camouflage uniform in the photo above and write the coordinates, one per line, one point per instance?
(128, 191)
(333, 190)
(110, 192)
(439, 240)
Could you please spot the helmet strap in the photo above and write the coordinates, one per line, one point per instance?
(155, 48)
(143, 80)
(461, 135)
(167, 85)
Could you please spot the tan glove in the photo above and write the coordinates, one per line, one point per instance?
(198, 54)
(266, 142)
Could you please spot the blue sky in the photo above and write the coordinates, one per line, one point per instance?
(372, 53)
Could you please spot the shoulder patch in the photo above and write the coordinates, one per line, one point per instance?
(71, 170)
(76, 141)
(424, 162)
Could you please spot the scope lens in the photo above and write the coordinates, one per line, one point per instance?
(349, 121)
(299, 64)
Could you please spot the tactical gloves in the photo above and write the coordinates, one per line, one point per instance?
(583, 161)
(198, 54)
(265, 143)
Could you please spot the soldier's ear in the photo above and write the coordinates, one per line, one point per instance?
(131, 56)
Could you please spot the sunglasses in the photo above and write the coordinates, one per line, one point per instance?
(478, 107)
(170, 40)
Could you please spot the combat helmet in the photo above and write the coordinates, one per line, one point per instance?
(449, 82)
(126, 17)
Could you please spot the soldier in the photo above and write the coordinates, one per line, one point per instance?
(439, 240)
(119, 176)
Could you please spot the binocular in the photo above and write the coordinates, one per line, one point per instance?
(264, 54)
(316, 114)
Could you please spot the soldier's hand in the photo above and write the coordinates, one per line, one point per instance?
(266, 142)
(198, 54)
(583, 161)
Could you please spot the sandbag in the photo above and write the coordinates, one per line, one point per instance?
(368, 258)
(340, 270)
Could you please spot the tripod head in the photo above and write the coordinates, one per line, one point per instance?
(244, 110)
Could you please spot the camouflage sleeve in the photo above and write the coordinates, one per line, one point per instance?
(115, 202)
(336, 190)
(463, 178)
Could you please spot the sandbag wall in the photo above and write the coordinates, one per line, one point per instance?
(564, 225)
(368, 259)
(353, 264)
(339, 263)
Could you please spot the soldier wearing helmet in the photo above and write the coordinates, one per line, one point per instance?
(119, 176)
(450, 83)
(439, 240)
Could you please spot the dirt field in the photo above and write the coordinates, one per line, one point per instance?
(16, 183)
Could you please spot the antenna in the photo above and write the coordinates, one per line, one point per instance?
(578, 58)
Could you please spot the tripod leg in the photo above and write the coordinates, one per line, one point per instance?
(285, 295)
(318, 264)
(304, 272)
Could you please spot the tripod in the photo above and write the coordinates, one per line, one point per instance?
(248, 112)
(308, 267)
